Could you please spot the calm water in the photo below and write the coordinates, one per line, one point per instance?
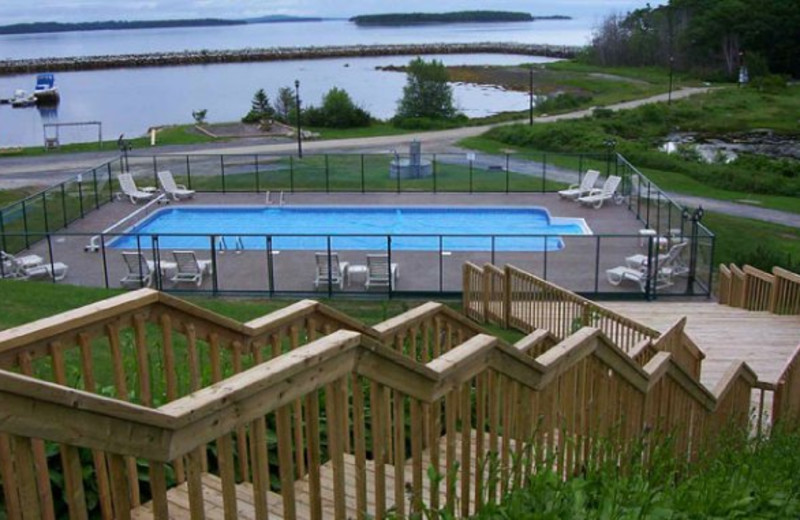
(301, 34)
(401, 223)
(130, 101)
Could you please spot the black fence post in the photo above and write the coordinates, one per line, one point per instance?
(25, 224)
(441, 265)
(44, 211)
(398, 170)
(493, 244)
(110, 182)
(80, 194)
(508, 173)
(214, 265)
(155, 170)
(50, 253)
(222, 170)
(330, 265)
(270, 267)
(96, 195)
(3, 230)
(154, 250)
(362, 173)
(188, 173)
(389, 255)
(435, 186)
(63, 204)
(105, 258)
(291, 173)
(597, 265)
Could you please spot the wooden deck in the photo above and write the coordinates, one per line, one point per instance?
(726, 334)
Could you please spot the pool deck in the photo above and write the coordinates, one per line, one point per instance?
(419, 271)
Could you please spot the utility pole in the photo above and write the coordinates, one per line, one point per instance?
(297, 108)
(530, 96)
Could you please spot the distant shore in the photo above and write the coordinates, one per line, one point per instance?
(205, 57)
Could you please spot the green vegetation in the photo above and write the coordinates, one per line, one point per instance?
(452, 17)
(337, 111)
(741, 479)
(427, 97)
(639, 132)
(260, 108)
(713, 38)
(760, 244)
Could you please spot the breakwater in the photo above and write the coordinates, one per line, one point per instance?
(205, 57)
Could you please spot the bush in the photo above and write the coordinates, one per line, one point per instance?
(337, 111)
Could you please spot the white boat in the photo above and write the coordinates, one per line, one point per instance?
(46, 92)
(22, 99)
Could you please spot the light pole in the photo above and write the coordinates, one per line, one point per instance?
(530, 96)
(669, 97)
(297, 109)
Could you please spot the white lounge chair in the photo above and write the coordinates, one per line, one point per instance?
(141, 270)
(379, 273)
(670, 258)
(190, 269)
(598, 196)
(176, 191)
(336, 274)
(11, 263)
(667, 267)
(129, 189)
(584, 188)
(17, 269)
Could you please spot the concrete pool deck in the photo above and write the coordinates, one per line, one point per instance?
(420, 271)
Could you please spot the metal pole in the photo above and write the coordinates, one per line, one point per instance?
(669, 96)
(530, 97)
(297, 108)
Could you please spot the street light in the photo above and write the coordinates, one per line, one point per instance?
(669, 98)
(530, 96)
(297, 108)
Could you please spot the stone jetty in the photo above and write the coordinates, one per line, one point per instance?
(204, 57)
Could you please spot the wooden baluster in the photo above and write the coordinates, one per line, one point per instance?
(120, 486)
(399, 453)
(27, 479)
(227, 467)
(450, 452)
(285, 458)
(505, 455)
(195, 377)
(494, 422)
(313, 453)
(170, 375)
(259, 455)
(297, 408)
(241, 431)
(359, 442)
(158, 488)
(98, 457)
(70, 460)
(121, 388)
(194, 480)
(336, 392)
(39, 455)
(466, 450)
(416, 455)
(435, 434)
(377, 403)
(11, 485)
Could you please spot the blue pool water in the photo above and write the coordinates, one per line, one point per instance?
(411, 228)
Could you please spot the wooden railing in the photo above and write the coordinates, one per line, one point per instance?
(752, 289)
(306, 413)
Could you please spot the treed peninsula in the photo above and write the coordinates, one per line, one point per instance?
(447, 18)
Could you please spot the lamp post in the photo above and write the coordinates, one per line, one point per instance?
(669, 96)
(530, 96)
(297, 109)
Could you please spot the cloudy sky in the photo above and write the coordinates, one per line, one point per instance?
(19, 11)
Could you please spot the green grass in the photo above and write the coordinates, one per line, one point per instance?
(374, 130)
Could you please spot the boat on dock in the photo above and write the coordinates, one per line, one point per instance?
(46, 92)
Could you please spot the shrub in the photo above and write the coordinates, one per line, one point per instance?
(337, 111)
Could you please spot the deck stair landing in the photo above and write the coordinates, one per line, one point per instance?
(726, 334)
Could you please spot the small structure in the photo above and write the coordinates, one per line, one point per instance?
(52, 132)
(415, 167)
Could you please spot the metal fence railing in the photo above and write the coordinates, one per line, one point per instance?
(36, 218)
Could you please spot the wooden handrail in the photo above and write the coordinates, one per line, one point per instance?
(756, 290)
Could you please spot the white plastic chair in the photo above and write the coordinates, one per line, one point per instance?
(17, 269)
(585, 187)
(336, 275)
(176, 191)
(190, 269)
(598, 196)
(380, 273)
(129, 189)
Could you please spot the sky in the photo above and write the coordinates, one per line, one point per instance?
(22, 11)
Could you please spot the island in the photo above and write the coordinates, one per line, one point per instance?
(449, 18)
(115, 25)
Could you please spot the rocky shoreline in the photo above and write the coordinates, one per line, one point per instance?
(205, 57)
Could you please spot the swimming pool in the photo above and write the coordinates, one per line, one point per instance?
(355, 227)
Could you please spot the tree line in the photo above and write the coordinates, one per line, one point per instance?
(712, 38)
(453, 17)
(112, 25)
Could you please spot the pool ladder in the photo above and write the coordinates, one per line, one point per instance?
(238, 245)
(281, 200)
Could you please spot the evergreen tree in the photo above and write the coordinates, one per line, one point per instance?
(260, 108)
(284, 104)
